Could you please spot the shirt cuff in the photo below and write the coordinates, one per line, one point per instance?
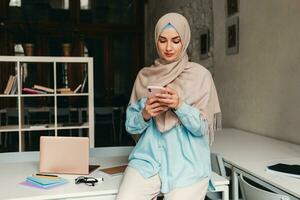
(141, 120)
(182, 109)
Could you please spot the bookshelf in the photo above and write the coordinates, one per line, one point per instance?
(53, 105)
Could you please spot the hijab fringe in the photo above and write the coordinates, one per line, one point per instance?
(216, 126)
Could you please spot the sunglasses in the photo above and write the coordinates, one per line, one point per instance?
(90, 181)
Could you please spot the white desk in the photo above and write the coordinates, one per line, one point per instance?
(249, 154)
(15, 167)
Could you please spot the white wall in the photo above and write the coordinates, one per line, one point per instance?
(259, 88)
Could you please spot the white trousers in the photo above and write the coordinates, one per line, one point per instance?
(135, 187)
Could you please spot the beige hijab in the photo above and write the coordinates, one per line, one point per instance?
(192, 82)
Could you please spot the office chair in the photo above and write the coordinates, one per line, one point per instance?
(39, 116)
(63, 116)
(217, 165)
(251, 192)
(12, 114)
(106, 116)
(120, 118)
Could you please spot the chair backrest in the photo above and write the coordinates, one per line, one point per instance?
(62, 111)
(104, 115)
(251, 192)
(217, 164)
(13, 113)
(104, 110)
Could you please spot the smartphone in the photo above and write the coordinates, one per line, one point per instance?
(152, 90)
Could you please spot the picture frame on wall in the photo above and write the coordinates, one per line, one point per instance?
(232, 35)
(232, 7)
(204, 43)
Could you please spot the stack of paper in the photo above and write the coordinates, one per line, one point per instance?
(46, 182)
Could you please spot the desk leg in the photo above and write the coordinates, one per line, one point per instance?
(235, 185)
(225, 193)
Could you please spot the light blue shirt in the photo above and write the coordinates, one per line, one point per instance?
(180, 156)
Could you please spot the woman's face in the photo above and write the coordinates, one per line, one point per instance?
(169, 44)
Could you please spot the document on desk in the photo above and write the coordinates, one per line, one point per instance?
(285, 169)
(114, 171)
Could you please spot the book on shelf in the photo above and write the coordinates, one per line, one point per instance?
(14, 86)
(285, 169)
(43, 88)
(6, 91)
(83, 84)
(32, 91)
(64, 90)
(9, 84)
(68, 90)
(78, 88)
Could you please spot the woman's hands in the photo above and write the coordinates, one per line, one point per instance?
(153, 108)
(161, 103)
(170, 99)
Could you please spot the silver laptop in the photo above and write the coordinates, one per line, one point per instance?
(64, 155)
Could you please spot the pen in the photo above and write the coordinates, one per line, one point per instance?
(47, 175)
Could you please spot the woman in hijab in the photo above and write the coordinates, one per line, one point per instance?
(174, 128)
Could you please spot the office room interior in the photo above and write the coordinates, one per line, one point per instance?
(251, 49)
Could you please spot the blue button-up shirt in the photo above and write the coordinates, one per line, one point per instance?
(180, 156)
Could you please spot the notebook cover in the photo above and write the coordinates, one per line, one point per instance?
(32, 91)
(285, 168)
(114, 170)
(45, 181)
(32, 183)
(93, 168)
